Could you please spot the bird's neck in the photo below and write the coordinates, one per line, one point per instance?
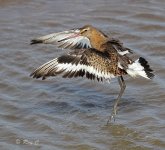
(97, 41)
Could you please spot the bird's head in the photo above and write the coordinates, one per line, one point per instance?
(89, 31)
(95, 36)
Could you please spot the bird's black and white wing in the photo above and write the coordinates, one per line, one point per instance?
(67, 39)
(91, 64)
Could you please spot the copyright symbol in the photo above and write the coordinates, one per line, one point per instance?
(18, 141)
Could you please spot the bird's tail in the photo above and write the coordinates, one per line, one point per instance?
(140, 68)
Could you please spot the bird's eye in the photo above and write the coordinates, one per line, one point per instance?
(85, 30)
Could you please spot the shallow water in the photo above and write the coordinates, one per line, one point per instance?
(68, 114)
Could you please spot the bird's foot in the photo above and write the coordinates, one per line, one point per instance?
(112, 116)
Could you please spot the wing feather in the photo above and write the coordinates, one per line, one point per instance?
(67, 39)
(71, 65)
(118, 46)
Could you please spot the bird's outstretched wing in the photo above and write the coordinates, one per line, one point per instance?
(91, 64)
(67, 39)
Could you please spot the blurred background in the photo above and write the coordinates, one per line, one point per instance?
(71, 114)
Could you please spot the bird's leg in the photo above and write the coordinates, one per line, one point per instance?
(122, 88)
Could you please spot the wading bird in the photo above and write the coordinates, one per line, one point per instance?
(93, 55)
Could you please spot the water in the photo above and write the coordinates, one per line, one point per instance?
(68, 114)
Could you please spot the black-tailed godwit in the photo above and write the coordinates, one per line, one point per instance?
(94, 55)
